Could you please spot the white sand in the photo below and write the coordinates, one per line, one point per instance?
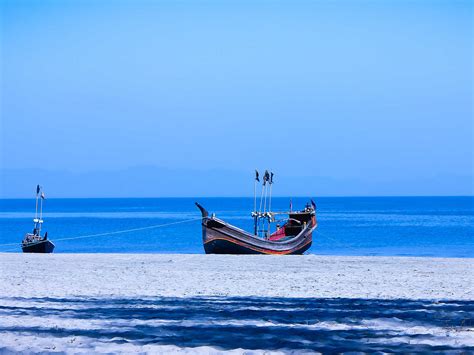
(100, 303)
(135, 275)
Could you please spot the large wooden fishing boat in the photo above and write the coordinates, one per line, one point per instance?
(34, 242)
(293, 236)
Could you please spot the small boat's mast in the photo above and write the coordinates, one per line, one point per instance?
(41, 213)
(37, 221)
(36, 210)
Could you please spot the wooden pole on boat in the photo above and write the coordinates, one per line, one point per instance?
(255, 202)
(255, 191)
(266, 178)
(265, 200)
(261, 196)
(37, 194)
(41, 213)
(257, 217)
(270, 200)
(41, 209)
(255, 224)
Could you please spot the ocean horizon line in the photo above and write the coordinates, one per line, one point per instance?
(238, 197)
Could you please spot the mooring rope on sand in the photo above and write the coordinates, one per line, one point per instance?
(116, 232)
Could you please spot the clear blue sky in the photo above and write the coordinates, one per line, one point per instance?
(143, 98)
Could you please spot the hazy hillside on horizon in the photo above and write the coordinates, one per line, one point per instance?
(162, 182)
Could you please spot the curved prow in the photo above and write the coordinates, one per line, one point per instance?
(203, 210)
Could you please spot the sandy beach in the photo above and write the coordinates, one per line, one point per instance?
(73, 303)
(139, 275)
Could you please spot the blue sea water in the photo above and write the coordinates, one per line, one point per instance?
(408, 226)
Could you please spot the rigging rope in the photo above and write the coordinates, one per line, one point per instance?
(9, 250)
(152, 227)
(118, 232)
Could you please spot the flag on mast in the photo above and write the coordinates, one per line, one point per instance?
(42, 195)
(266, 177)
(256, 175)
(38, 188)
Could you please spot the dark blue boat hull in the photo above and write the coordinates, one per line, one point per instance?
(44, 246)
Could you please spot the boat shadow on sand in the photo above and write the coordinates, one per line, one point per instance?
(288, 324)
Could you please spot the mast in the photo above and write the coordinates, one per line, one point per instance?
(265, 200)
(255, 191)
(41, 214)
(40, 221)
(270, 201)
(36, 209)
(36, 220)
(261, 196)
(258, 215)
(266, 178)
(255, 201)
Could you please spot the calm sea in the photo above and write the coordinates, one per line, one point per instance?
(415, 226)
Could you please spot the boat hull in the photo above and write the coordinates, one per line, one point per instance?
(44, 246)
(226, 246)
(220, 237)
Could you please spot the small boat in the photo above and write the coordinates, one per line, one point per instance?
(293, 233)
(34, 242)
